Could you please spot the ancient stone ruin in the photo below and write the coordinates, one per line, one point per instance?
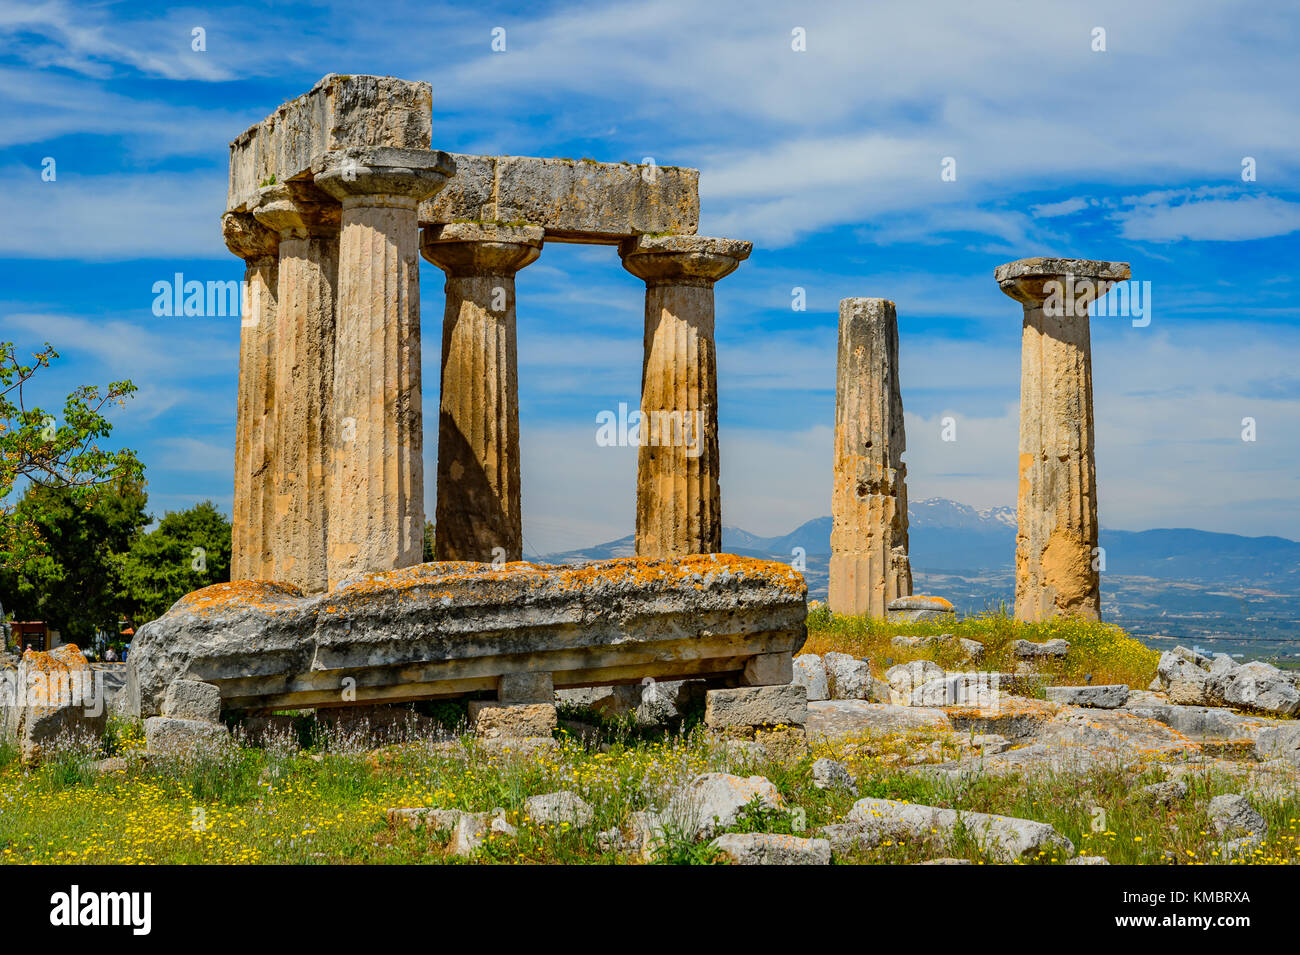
(332, 200)
(869, 565)
(1056, 510)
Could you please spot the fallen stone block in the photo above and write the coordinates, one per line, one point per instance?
(713, 801)
(833, 719)
(1166, 793)
(1232, 815)
(919, 608)
(756, 706)
(903, 678)
(1255, 686)
(763, 848)
(610, 702)
(52, 697)
(559, 808)
(831, 774)
(768, 669)
(168, 736)
(667, 702)
(1105, 696)
(1279, 742)
(473, 829)
(1088, 860)
(191, 700)
(810, 673)
(848, 677)
(450, 629)
(1047, 650)
(1005, 838)
(513, 720)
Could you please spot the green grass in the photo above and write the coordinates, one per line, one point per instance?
(1101, 651)
(327, 806)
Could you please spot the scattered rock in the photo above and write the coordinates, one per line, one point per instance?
(848, 677)
(1050, 649)
(765, 848)
(712, 801)
(836, 718)
(756, 706)
(810, 673)
(830, 774)
(1256, 686)
(472, 830)
(493, 720)
(1279, 742)
(1088, 860)
(1004, 838)
(609, 701)
(1166, 793)
(906, 677)
(192, 700)
(945, 860)
(666, 702)
(1232, 815)
(919, 608)
(559, 808)
(1106, 696)
(167, 736)
(51, 696)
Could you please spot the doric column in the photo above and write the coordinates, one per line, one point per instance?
(869, 565)
(251, 554)
(478, 422)
(678, 505)
(1056, 512)
(376, 502)
(308, 224)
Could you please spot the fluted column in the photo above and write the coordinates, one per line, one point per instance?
(1056, 514)
(308, 224)
(678, 503)
(869, 564)
(376, 501)
(478, 507)
(253, 508)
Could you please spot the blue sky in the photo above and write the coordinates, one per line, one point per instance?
(828, 159)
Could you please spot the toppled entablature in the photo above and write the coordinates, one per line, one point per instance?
(576, 200)
(450, 629)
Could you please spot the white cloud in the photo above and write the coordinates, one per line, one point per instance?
(1182, 216)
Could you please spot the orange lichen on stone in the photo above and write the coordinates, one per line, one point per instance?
(265, 595)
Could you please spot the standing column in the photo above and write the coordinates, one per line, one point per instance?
(478, 422)
(376, 498)
(308, 224)
(251, 554)
(678, 504)
(1056, 513)
(869, 564)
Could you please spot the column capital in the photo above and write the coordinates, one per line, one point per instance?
(248, 238)
(1032, 281)
(682, 259)
(296, 210)
(383, 175)
(481, 248)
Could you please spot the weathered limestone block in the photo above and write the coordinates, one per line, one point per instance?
(713, 801)
(573, 200)
(766, 848)
(452, 629)
(192, 700)
(170, 736)
(491, 719)
(768, 669)
(1005, 838)
(307, 222)
(810, 673)
(837, 718)
(1107, 696)
(478, 515)
(678, 509)
(531, 687)
(1048, 649)
(252, 546)
(869, 564)
(51, 697)
(337, 112)
(756, 706)
(1056, 540)
(376, 490)
(559, 808)
(919, 608)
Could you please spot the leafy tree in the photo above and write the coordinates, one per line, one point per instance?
(428, 541)
(72, 580)
(50, 455)
(189, 549)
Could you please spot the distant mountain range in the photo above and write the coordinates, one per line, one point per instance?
(946, 536)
